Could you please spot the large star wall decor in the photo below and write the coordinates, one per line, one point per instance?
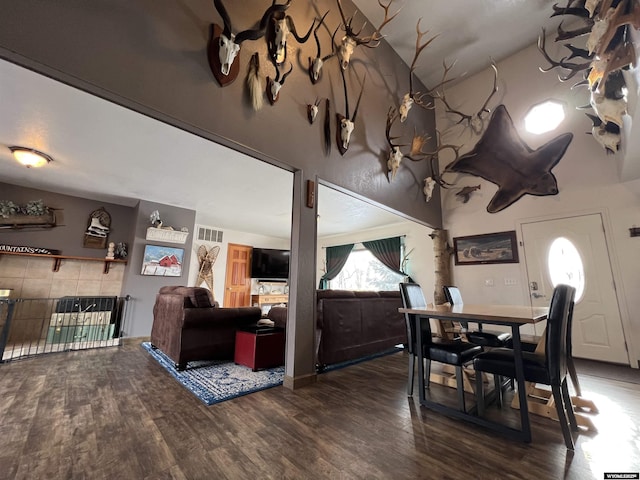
(501, 157)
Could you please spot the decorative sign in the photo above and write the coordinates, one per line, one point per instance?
(38, 250)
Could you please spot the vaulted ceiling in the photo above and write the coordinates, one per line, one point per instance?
(133, 157)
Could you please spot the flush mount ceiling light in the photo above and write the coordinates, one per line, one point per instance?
(544, 117)
(30, 157)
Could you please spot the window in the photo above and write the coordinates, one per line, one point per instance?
(565, 265)
(544, 117)
(363, 271)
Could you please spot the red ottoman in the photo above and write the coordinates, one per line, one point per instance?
(260, 347)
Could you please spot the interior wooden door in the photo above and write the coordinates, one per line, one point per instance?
(575, 249)
(237, 283)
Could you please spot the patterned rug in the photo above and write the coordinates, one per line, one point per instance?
(219, 380)
(215, 381)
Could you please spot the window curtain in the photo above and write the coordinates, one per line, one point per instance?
(388, 251)
(336, 258)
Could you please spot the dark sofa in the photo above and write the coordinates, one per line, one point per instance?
(189, 325)
(353, 324)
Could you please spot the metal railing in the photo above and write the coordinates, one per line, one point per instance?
(34, 326)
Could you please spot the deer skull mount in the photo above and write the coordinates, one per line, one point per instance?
(352, 39)
(274, 86)
(414, 97)
(606, 134)
(312, 111)
(475, 121)
(224, 45)
(395, 152)
(280, 27)
(346, 123)
(429, 185)
(315, 65)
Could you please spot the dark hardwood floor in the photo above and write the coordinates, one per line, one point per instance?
(114, 413)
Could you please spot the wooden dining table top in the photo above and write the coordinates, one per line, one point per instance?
(496, 314)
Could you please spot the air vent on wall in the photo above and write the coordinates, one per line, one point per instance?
(209, 234)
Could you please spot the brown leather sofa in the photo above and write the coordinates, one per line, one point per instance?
(352, 325)
(188, 325)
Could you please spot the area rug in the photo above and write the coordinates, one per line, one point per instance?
(216, 381)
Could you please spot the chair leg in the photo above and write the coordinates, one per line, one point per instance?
(460, 384)
(569, 406)
(427, 373)
(562, 417)
(574, 376)
(412, 365)
(497, 385)
(479, 393)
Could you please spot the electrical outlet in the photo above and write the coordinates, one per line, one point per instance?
(510, 281)
(488, 282)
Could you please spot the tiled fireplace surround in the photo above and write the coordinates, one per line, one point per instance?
(33, 277)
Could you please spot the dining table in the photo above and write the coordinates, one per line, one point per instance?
(512, 316)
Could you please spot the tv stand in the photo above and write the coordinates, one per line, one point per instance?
(266, 301)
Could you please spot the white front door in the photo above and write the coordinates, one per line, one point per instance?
(573, 250)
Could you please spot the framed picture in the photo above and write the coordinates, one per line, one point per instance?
(162, 261)
(498, 247)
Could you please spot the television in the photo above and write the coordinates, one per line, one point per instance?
(270, 264)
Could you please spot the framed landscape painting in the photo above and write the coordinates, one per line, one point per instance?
(162, 261)
(484, 249)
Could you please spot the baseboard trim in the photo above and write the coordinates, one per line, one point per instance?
(293, 383)
(133, 340)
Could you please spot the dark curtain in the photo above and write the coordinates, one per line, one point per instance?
(388, 251)
(336, 258)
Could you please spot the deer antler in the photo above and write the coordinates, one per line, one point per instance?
(414, 97)
(373, 40)
(572, 67)
(476, 120)
(351, 38)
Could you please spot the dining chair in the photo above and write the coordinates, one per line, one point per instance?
(451, 352)
(484, 338)
(549, 368)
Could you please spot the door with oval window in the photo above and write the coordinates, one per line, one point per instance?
(574, 251)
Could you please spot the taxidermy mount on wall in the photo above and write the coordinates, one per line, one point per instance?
(346, 123)
(278, 31)
(224, 45)
(501, 157)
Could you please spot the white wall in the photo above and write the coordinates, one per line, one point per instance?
(219, 268)
(420, 265)
(587, 180)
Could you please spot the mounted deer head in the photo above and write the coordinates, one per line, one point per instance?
(395, 154)
(415, 97)
(224, 45)
(475, 121)
(280, 27)
(609, 50)
(346, 122)
(352, 39)
(315, 65)
(274, 86)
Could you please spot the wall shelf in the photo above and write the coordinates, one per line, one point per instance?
(57, 259)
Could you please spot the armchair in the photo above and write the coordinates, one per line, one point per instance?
(188, 325)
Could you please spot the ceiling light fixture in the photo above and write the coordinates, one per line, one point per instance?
(544, 117)
(30, 157)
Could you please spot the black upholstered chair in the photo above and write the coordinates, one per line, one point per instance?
(549, 368)
(451, 352)
(484, 338)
